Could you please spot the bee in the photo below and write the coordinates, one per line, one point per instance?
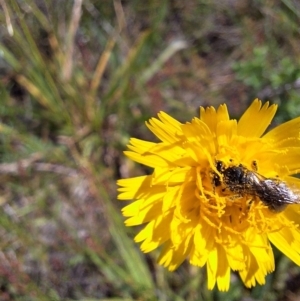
(275, 194)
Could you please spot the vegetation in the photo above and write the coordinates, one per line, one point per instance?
(77, 79)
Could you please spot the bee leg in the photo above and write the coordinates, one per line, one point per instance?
(254, 165)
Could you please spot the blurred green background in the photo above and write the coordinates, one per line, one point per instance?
(77, 79)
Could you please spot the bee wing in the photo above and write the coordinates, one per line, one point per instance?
(278, 192)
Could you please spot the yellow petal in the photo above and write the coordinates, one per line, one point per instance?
(283, 240)
(289, 159)
(138, 188)
(211, 117)
(288, 129)
(166, 130)
(212, 267)
(256, 119)
(223, 275)
(150, 160)
(225, 130)
(169, 177)
(140, 146)
(154, 234)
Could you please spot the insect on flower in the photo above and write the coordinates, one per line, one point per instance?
(209, 202)
(272, 192)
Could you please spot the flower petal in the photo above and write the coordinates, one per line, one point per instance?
(165, 129)
(285, 130)
(288, 242)
(211, 117)
(256, 119)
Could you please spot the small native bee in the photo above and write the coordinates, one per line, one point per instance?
(272, 192)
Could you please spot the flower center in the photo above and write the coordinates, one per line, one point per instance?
(229, 201)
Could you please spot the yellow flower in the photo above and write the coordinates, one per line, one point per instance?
(219, 193)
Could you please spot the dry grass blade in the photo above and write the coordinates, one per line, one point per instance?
(7, 18)
(74, 23)
(101, 65)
